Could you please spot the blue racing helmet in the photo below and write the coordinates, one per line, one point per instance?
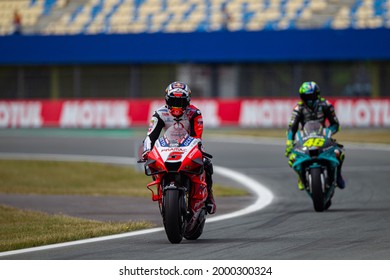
(309, 93)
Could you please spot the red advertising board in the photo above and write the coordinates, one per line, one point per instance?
(124, 113)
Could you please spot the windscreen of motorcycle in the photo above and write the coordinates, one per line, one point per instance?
(175, 144)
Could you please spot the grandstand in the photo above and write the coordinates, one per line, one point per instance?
(170, 16)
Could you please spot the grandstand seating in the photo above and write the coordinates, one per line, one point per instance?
(136, 16)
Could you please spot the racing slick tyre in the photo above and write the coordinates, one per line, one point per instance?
(174, 218)
(317, 190)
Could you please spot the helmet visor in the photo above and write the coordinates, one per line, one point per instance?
(310, 99)
(179, 102)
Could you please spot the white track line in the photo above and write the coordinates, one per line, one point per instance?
(264, 196)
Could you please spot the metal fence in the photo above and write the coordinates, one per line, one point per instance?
(344, 79)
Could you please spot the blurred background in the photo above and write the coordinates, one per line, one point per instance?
(224, 49)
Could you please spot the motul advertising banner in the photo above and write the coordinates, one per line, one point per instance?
(124, 113)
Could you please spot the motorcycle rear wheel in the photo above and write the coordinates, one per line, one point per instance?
(174, 218)
(316, 188)
(197, 232)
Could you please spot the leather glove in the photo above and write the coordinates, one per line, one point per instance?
(291, 159)
(289, 146)
(145, 155)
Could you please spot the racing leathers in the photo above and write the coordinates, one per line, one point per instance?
(324, 112)
(192, 121)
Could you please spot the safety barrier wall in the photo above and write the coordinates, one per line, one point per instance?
(287, 45)
(125, 113)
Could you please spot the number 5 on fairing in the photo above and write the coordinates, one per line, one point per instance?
(175, 155)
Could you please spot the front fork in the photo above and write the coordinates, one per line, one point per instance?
(328, 178)
(169, 184)
(193, 197)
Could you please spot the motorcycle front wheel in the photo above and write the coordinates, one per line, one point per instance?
(316, 190)
(174, 218)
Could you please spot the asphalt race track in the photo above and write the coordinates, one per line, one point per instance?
(357, 226)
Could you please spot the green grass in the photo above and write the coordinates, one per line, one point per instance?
(24, 229)
(80, 178)
(76, 178)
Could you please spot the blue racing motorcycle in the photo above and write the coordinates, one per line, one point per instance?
(315, 158)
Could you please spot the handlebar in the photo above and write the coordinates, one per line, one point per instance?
(207, 155)
(203, 152)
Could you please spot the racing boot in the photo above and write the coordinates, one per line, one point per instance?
(210, 202)
(301, 186)
(340, 180)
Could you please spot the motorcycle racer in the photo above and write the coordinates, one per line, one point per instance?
(313, 107)
(178, 108)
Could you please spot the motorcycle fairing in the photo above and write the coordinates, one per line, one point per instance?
(314, 147)
(177, 155)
